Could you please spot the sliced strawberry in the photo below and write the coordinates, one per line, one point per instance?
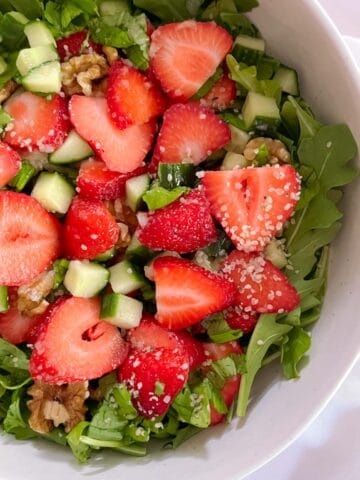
(221, 96)
(262, 287)
(187, 293)
(216, 351)
(150, 334)
(252, 204)
(238, 319)
(189, 134)
(69, 351)
(10, 164)
(15, 327)
(89, 229)
(38, 123)
(29, 240)
(184, 55)
(122, 150)
(76, 44)
(150, 28)
(144, 372)
(184, 226)
(194, 349)
(132, 98)
(96, 181)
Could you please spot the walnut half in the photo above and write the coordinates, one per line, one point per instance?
(54, 405)
(80, 74)
(7, 90)
(31, 298)
(278, 152)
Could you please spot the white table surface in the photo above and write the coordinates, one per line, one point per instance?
(330, 448)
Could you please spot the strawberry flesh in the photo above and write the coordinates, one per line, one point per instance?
(237, 319)
(76, 44)
(10, 164)
(221, 96)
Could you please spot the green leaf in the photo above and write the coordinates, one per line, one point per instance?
(246, 5)
(219, 331)
(193, 404)
(208, 85)
(31, 9)
(123, 399)
(166, 10)
(12, 34)
(159, 197)
(309, 126)
(182, 435)
(80, 450)
(267, 332)
(293, 351)
(133, 450)
(60, 268)
(14, 365)
(5, 118)
(112, 36)
(14, 422)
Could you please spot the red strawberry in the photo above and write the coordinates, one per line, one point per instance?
(38, 123)
(89, 229)
(237, 319)
(189, 133)
(221, 96)
(187, 293)
(216, 351)
(150, 28)
(132, 98)
(144, 371)
(29, 240)
(185, 55)
(10, 164)
(122, 150)
(15, 327)
(262, 287)
(96, 181)
(194, 349)
(252, 204)
(69, 351)
(184, 226)
(75, 44)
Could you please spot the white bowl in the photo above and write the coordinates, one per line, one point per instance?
(300, 34)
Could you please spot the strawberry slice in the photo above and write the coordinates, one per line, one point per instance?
(69, 351)
(252, 204)
(189, 134)
(96, 181)
(221, 96)
(184, 226)
(216, 351)
(76, 44)
(187, 293)
(122, 150)
(185, 55)
(38, 123)
(29, 240)
(194, 349)
(154, 378)
(15, 327)
(132, 98)
(237, 319)
(10, 164)
(89, 229)
(262, 287)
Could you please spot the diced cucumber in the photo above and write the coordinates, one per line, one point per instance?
(85, 279)
(4, 299)
(288, 79)
(137, 251)
(19, 17)
(38, 34)
(30, 58)
(53, 192)
(239, 139)
(45, 78)
(113, 7)
(172, 175)
(72, 150)
(106, 256)
(122, 311)
(135, 189)
(124, 278)
(23, 177)
(3, 66)
(276, 254)
(260, 111)
(234, 160)
(248, 50)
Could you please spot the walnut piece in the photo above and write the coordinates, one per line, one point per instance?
(278, 152)
(127, 222)
(111, 54)
(54, 405)
(7, 90)
(31, 298)
(79, 74)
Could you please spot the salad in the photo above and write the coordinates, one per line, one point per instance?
(167, 201)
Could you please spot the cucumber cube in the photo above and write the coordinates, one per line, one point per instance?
(46, 78)
(85, 279)
(135, 189)
(288, 79)
(38, 34)
(4, 299)
(124, 278)
(239, 139)
(30, 58)
(72, 150)
(260, 109)
(122, 311)
(137, 251)
(106, 256)
(53, 192)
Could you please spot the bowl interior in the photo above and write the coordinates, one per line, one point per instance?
(302, 36)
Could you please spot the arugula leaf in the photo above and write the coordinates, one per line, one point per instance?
(309, 126)
(267, 332)
(14, 364)
(182, 436)
(168, 10)
(80, 450)
(14, 422)
(159, 197)
(12, 33)
(133, 450)
(219, 331)
(292, 351)
(193, 404)
(5, 118)
(109, 35)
